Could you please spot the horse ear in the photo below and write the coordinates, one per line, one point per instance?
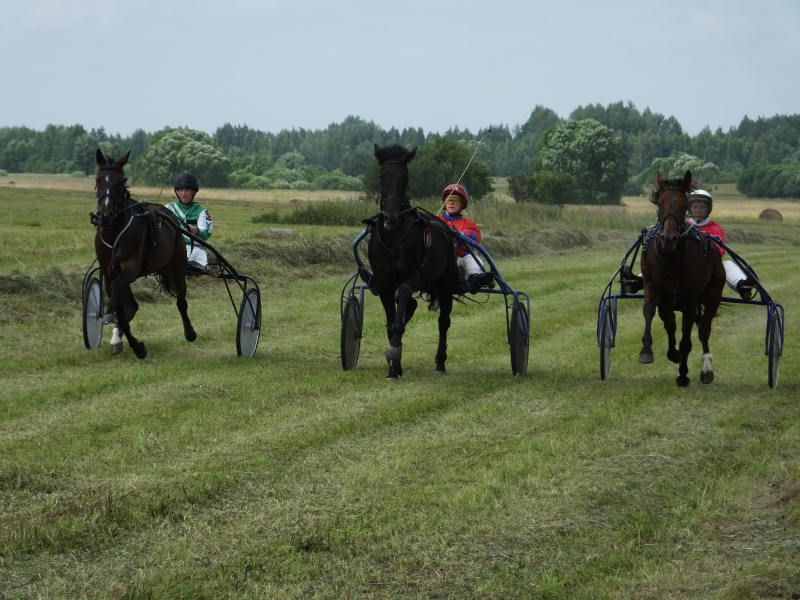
(659, 178)
(411, 155)
(99, 158)
(687, 181)
(124, 160)
(377, 149)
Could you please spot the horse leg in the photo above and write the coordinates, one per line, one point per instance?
(178, 280)
(704, 333)
(687, 324)
(117, 285)
(394, 350)
(646, 353)
(445, 308)
(667, 316)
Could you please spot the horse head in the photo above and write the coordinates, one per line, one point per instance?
(112, 194)
(394, 183)
(670, 199)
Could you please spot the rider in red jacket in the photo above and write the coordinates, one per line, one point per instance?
(700, 205)
(470, 271)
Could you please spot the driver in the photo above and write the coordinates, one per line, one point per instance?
(193, 217)
(470, 271)
(700, 204)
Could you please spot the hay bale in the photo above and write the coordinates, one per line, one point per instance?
(276, 232)
(770, 214)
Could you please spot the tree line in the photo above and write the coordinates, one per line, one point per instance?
(635, 145)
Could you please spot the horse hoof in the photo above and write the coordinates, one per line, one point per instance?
(674, 356)
(394, 379)
(109, 318)
(141, 352)
(683, 381)
(190, 335)
(645, 359)
(439, 373)
(707, 377)
(116, 348)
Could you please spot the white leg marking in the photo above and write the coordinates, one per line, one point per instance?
(707, 358)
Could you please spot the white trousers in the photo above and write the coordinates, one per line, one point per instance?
(467, 265)
(196, 255)
(733, 274)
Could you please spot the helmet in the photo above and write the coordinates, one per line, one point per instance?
(455, 189)
(700, 196)
(186, 180)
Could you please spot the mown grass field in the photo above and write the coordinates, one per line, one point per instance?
(197, 474)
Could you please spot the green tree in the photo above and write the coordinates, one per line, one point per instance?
(174, 151)
(83, 153)
(591, 153)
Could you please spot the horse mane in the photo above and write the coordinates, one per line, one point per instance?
(392, 152)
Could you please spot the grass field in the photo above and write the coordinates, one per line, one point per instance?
(197, 474)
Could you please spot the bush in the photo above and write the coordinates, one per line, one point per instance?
(518, 187)
(336, 180)
(258, 182)
(301, 184)
(549, 187)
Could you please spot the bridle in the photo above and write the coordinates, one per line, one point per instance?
(405, 205)
(683, 230)
(107, 218)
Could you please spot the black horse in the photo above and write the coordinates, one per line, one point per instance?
(409, 251)
(131, 243)
(682, 272)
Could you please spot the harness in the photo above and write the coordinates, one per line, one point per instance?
(135, 210)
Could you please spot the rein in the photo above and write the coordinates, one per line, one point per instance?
(683, 230)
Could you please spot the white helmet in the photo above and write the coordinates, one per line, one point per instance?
(700, 196)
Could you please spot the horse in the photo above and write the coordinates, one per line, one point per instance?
(130, 243)
(409, 251)
(683, 272)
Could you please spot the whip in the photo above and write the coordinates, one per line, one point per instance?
(441, 208)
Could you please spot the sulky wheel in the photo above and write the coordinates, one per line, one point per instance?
(774, 349)
(606, 341)
(92, 313)
(351, 333)
(518, 337)
(249, 327)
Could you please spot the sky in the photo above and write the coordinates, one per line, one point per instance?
(435, 64)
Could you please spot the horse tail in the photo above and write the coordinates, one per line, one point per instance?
(432, 298)
(165, 283)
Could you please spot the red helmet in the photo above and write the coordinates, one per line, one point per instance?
(455, 189)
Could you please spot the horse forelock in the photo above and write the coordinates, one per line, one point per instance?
(393, 152)
(667, 184)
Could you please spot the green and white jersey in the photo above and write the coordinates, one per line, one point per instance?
(193, 214)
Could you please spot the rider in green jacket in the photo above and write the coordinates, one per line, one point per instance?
(193, 217)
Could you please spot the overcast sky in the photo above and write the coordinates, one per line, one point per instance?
(435, 64)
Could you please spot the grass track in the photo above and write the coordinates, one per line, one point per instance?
(195, 474)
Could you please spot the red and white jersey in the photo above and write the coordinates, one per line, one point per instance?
(466, 226)
(712, 228)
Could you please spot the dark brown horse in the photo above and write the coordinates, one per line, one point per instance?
(135, 239)
(409, 251)
(682, 272)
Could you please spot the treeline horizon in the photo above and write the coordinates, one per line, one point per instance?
(347, 147)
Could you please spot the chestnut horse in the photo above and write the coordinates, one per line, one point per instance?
(131, 243)
(682, 272)
(409, 251)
